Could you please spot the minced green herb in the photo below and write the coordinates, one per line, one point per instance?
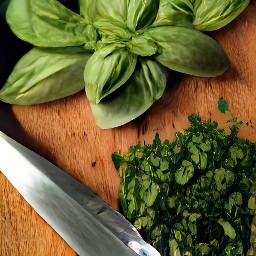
(195, 195)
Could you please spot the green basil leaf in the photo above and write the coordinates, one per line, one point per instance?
(49, 24)
(141, 13)
(111, 10)
(108, 69)
(44, 75)
(112, 31)
(142, 46)
(174, 13)
(146, 85)
(189, 51)
(88, 10)
(110, 20)
(212, 15)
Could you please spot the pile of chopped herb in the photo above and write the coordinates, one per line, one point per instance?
(195, 195)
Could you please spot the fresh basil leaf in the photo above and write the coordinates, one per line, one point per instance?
(142, 45)
(174, 13)
(141, 13)
(49, 24)
(146, 85)
(189, 51)
(111, 10)
(44, 75)
(212, 15)
(112, 32)
(88, 10)
(108, 69)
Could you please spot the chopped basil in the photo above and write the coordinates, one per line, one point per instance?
(195, 195)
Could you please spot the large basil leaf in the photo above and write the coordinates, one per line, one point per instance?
(146, 85)
(44, 75)
(49, 24)
(174, 13)
(189, 51)
(214, 14)
(108, 69)
(141, 13)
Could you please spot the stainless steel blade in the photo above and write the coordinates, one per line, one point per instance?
(86, 222)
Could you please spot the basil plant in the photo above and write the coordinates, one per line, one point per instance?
(118, 51)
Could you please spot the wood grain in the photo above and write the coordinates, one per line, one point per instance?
(65, 133)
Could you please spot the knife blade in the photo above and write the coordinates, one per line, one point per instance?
(89, 225)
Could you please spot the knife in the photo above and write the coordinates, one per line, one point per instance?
(89, 225)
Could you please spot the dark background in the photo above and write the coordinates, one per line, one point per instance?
(11, 47)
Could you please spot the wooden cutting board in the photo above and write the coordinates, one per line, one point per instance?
(65, 133)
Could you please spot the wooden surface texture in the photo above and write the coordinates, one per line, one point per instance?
(65, 133)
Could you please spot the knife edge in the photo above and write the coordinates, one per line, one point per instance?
(81, 199)
(36, 183)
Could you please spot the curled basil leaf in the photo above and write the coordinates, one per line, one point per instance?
(141, 13)
(189, 51)
(174, 13)
(146, 85)
(44, 75)
(142, 45)
(49, 24)
(212, 15)
(112, 32)
(108, 69)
